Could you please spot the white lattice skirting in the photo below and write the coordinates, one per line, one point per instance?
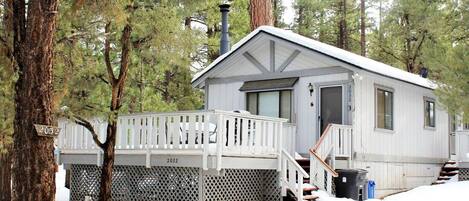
(463, 174)
(177, 184)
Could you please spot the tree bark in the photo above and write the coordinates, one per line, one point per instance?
(362, 28)
(342, 38)
(33, 172)
(117, 94)
(5, 176)
(261, 13)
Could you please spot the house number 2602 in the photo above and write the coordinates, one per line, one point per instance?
(172, 160)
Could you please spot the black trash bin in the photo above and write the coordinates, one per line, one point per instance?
(351, 183)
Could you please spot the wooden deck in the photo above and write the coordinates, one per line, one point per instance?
(205, 139)
(211, 140)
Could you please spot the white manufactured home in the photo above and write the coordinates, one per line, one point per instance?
(283, 112)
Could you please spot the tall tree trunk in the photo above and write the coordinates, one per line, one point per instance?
(5, 176)
(261, 13)
(277, 14)
(342, 38)
(33, 156)
(105, 193)
(117, 95)
(362, 28)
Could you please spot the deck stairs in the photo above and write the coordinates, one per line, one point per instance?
(317, 171)
(449, 172)
(307, 187)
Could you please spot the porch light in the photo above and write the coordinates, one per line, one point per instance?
(311, 89)
(357, 76)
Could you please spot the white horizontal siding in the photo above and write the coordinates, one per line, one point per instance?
(394, 177)
(226, 96)
(409, 137)
(307, 116)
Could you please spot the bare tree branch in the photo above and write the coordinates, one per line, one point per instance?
(85, 123)
(419, 46)
(107, 59)
(390, 53)
(71, 37)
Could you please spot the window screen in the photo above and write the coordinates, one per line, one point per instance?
(270, 103)
(384, 109)
(429, 113)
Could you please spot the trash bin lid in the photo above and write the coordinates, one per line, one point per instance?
(351, 171)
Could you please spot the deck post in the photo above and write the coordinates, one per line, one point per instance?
(206, 140)
(148, 158)
(98, 158)
(279, 145)
(220, 134)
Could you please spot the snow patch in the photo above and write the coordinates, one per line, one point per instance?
(61, 193)
(454, 191)
(324, 196)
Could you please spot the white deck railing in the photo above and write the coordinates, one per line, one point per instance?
(292, 176)
(213, 132)
(462, 145)
(289, 138)
(335, 141)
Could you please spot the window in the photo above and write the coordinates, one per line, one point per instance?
(384, 109)
(429, 116)
(271, 103)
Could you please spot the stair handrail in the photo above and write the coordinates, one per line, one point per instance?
(326, 166)
(314, 152)
(290, 179)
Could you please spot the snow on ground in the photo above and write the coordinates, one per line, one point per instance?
(454, 191)
(62, 193)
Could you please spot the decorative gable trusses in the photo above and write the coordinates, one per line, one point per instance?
(272, 68)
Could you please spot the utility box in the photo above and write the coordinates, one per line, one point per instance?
(351, 183)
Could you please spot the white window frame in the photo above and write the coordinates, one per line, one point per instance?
(425, 100)
(389, 89)
(272, 90)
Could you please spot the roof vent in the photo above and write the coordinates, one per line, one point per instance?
(423, 72)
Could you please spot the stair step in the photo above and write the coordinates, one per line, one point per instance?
(450, 162)
(449, 169)
(444, 173)
(310, 188)
(443, 178)
(438, 182)
(303, 162)
(310, 197)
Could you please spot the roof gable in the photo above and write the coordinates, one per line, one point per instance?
(352, 59)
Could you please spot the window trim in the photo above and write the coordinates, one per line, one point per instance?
(425, 100)
(279, 103)
(388, 89)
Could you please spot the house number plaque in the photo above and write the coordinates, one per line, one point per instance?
(46, 131)
(172, 160)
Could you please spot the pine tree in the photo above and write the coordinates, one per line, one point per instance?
(335, 22)
(408, 29)
(33, 37)
(261, 13)
(7, 78)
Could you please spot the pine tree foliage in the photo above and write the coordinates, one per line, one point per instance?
(159, 73)
(321, 20)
